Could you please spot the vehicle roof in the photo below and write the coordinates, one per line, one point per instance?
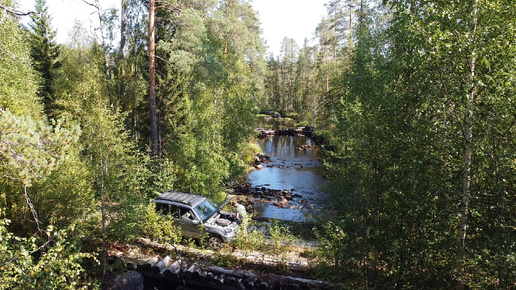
(181, 197)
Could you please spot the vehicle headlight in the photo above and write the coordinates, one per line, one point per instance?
(227, 230)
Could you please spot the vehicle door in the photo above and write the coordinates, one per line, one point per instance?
(189, 223)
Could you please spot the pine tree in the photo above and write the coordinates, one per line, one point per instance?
(44, 53)
(289, 54)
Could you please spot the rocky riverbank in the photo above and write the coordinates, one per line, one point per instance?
(307, 131)
(281, 198)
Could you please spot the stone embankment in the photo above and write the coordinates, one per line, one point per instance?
(284, 198)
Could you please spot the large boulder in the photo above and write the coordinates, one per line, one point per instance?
(282, 203)
(130, 280)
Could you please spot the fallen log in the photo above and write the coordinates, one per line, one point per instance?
(270, 278)
(241, 274)
(230, 280)
(156, 269)
(287, 280)
(209, 276)
(293, 287)
(189, 272)
(172, 272)
(249, 283)
(239, 285)
(264, 284)
(219, 280)
(212, 277)
(199, 274)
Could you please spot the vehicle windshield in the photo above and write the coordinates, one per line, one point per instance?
(205, 210)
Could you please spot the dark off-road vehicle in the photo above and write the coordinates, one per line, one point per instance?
(194, 213)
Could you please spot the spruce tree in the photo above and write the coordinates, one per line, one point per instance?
(44, 53)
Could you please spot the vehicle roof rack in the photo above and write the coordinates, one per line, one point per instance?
(182, 197)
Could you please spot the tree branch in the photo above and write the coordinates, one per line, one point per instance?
(14, 11)
(12, 55)
(172, 9)
(91, 4)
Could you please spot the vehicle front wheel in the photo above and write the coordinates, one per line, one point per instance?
(215, 242)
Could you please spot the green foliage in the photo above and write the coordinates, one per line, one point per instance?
(473, 94)
(65, 195)
(204, 237)
(94, 168)
(274, 241)
(280, 237)
(332, 245)
(159, 227)
(30, 149)
(398, 160)
(58, 264)
(18, 82)
(44, 182)
(44, 54)
(249, 241)
(249, 152)
(120, 176)
(395, 102)
(210, 69)
(33, 156)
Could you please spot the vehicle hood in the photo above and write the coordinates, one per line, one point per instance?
(224, 203)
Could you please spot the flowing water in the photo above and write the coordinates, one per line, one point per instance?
(299, 171)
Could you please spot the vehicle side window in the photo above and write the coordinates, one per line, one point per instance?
(162, 208)
(186, 214)
(173, 211)
(167, 209)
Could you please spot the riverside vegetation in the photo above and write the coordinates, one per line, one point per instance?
(415, 101)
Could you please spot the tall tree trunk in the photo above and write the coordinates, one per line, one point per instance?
(468, 153)
(152, 80)
(327, 81)
(284, 105)
(103, 215)
(104, 44)
(290, 89)
(123, 26)
(123, 32)
(350, 36)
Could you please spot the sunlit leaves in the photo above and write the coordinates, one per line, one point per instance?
(57, 267)
(17, 81)
(209, 74)
(31, 150)
(407, 102)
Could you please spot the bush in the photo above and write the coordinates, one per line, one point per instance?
(160, 228)
(55, 264)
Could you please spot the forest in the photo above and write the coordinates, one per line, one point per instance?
(415, 101)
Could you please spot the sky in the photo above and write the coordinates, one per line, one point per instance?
(295, 19)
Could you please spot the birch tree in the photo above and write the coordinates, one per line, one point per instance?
(463, 50)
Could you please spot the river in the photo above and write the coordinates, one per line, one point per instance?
(299, 171)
